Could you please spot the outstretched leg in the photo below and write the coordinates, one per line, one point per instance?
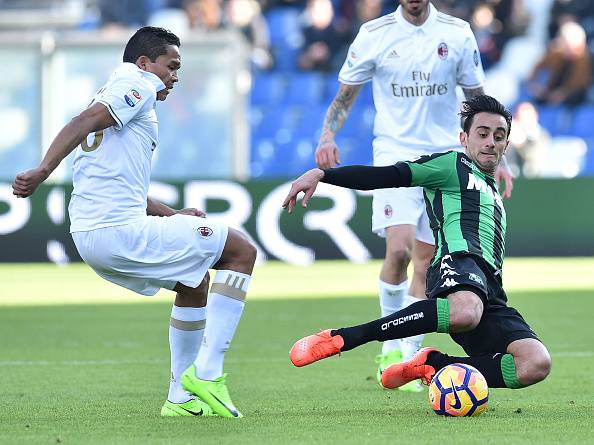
(460, 312)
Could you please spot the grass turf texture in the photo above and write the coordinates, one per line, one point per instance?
(98, 373)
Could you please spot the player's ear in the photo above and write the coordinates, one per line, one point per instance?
(463, 139)
(142, 62)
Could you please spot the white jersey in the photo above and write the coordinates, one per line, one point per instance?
(112, 167)
(415, 70)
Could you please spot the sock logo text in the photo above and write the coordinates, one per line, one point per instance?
(400, 320)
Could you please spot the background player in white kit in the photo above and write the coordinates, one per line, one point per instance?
(138, 243)
(415, 57)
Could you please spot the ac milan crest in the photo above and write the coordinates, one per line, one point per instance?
(442, 51)
(388, 211)
(205, 231)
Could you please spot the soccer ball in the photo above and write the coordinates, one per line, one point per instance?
(458, 390)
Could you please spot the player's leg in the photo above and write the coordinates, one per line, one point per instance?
(461, 311)
(526, 362)
(531, 363)
(153, 254)
(186, 329)
(226, 301)
(502, 346)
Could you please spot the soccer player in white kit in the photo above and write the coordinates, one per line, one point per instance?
(141, 244)
(415, 58)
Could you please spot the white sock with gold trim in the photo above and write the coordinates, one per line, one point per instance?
(226, 300)
(186, 329)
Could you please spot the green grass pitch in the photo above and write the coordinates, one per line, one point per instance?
(85, 362)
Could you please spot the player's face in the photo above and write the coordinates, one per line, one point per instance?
(165, 67)
(486, 141)
(415, 8)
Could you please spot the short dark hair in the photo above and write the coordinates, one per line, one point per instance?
(483, 104)
(149, 41)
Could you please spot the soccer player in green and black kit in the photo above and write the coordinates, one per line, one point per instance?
(464, 287)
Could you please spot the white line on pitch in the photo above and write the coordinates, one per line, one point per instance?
(111, 362)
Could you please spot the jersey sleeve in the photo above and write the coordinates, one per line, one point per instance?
(432, 171)
(359, 65)
(470, 72)
(125, 99)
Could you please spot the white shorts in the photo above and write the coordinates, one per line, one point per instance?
(398, 206)
(154, 252)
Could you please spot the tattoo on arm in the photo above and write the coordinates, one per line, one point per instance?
(339, 108)
(469, 93)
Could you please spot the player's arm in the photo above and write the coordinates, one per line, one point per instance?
(93, 119)
(357, 177)
(156, 208)
(327, 153)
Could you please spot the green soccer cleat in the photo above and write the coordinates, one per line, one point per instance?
(193, 407)
(213, 392)
(385, 360)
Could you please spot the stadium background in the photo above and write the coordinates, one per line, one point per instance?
(247, 114)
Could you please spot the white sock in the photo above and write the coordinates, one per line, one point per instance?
(392, 299)
(225, 306)
(411, 345)
(186, 329)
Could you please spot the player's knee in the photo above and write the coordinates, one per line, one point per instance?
(398, 254)
(193, 297)
(239, 253)
(465, 317)
(248, 252)
(535, 370)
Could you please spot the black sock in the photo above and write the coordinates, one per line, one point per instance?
(418, 318)
(489, 365)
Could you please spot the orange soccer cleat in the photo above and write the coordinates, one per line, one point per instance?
(315, 347)
(398, 374)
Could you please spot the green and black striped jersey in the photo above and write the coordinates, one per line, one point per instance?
(464, 206)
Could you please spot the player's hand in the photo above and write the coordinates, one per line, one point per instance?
(327, 153)
(505, 175)
(25, 183)
(192, 212)
(306, 183)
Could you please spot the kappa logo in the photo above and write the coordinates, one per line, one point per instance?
(205, 231)
(388, 212)
(445, 265)
(474, 277)
(449, 282)
(475, 58)
(449, 273)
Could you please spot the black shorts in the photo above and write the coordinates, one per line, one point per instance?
(500, 324)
